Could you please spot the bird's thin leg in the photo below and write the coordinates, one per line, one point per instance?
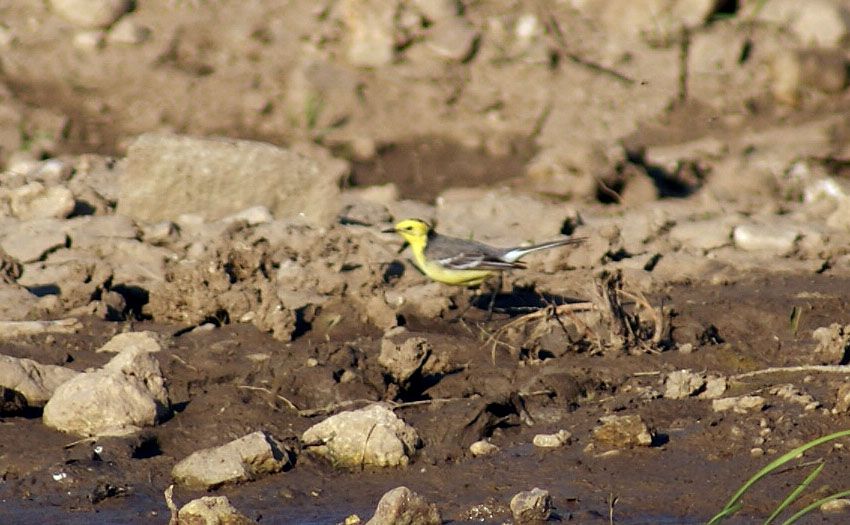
(496, 292)
(470, 301)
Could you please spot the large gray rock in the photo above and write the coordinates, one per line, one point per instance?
(402, 506)
(34, 381)
(128, 393)
(243, 459)
(169, 175)
(370, 436)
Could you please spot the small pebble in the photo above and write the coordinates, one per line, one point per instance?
(557, 439)
(89, 41)
(836, 505)
(533, 506)
(482, 448)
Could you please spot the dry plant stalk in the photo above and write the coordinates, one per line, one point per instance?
(631, 320)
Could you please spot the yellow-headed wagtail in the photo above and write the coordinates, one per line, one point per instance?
(463, 262)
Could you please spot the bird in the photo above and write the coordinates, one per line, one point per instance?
(462, 262)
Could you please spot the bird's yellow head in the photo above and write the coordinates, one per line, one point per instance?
(414, 231)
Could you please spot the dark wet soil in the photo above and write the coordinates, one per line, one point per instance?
(232, 380)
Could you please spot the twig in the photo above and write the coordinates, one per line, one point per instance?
(80, 441)
(644, 374)
(833, 369)
(608, 190)
(558, 35)
(612, 500)
(327, 409)
(172, 508)
(536, 393)
(365, 445)
(406, 404)
(332, 407)
(289, 403)
(183, 362)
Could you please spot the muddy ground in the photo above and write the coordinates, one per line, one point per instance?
(219, 394)
(701, 147)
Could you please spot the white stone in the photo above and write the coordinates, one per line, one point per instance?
(35, 201)
(370, 31)
(370, 436)
(715, 386)
(145, 341)
(129, 32)
(91, 13)
(740, 405)
(682, 384)
(622, 431)
(128, 393)
(251, 216)
(211, 510)
(820, 23)
(482, 448)
(34, 381)
(781, 240)
(835, 506)
(402, 506)
(89, 41)
(243, 459)
(558, 439)
(533, 506)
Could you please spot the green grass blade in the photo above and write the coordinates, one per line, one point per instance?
(773, 465)
(795, 493)
(808, 508)
(725, 513)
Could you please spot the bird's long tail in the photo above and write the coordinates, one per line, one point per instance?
(514, 254)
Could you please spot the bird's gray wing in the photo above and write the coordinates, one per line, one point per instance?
(461, 254)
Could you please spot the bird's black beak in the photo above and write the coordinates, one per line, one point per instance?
(388, 230)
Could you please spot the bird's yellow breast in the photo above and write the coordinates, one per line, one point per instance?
(440, 273)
